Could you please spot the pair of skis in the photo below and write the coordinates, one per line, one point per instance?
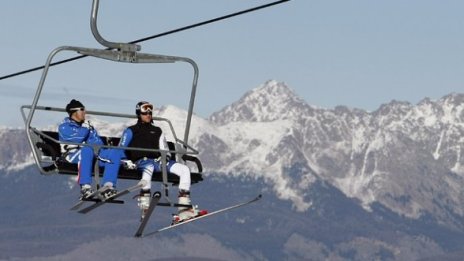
(98, 201)
(139, 232)
(147, 214)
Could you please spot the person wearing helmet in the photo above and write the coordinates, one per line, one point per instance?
(76, 129)
(148, 136)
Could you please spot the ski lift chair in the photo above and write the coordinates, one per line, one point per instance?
(45, 145)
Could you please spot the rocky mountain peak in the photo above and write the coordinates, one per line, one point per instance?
(376, 157)
(453, 98)
(270, 101)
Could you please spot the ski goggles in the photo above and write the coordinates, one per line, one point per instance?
(146, 108)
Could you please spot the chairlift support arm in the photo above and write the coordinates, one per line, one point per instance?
(113, 45)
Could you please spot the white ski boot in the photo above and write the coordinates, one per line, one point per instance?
(144, 202)
(185, 212)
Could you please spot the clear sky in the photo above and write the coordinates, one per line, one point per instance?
(360, 54)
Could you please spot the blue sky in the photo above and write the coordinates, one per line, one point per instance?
(360, 54)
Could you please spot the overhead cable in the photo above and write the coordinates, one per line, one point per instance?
(154, 36)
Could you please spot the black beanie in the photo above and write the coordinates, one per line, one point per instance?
(72, 105)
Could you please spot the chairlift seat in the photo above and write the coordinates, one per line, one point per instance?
(52, 149)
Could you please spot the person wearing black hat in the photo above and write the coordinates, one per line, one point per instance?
(77, 130)
(148, 136)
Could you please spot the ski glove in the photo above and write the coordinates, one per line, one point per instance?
(128, 164)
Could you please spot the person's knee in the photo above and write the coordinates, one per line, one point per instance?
(181, 169)
(86, 152)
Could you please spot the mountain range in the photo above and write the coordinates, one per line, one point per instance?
(338, 184)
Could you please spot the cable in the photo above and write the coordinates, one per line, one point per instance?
(154, 36)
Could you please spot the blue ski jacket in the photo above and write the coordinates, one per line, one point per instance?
(72, 131)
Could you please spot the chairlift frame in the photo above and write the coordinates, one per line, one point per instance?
(117, 52)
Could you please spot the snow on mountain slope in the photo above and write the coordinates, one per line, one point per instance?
(406, 157)
(400, 155)
(271, 101)
(13, 152)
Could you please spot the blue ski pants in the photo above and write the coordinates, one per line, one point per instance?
(84, 158)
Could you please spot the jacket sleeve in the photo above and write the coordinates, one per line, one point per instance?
(93, 137)
(163, 144)
(125, 140)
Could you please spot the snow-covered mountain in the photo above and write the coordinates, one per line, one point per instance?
(382, 184)
(14, 149)
(403, 156)
(406, 157)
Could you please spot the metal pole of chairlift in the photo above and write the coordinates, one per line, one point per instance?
(192, 99)
(36, 99)
(134, 48)
(101, 40)
(164, 173)
(96, 168)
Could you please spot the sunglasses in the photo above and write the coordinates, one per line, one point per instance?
(78, 109)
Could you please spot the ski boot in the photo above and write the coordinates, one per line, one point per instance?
(86, 191)
(144, 202)
(109, 192)
(184, 212)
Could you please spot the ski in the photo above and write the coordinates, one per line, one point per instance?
(119, 194)
(91, 197)
(112, 201)
(154, 202)
(203, 216)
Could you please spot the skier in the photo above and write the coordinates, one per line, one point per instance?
(76, 129)
(145, 135)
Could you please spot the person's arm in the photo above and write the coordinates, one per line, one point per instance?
(126, 138)
(163, 143)
(164, 146)
(93, 137)
(72, 133)
(124, 142)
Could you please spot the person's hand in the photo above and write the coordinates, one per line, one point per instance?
(86, 124)
(128, 164)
